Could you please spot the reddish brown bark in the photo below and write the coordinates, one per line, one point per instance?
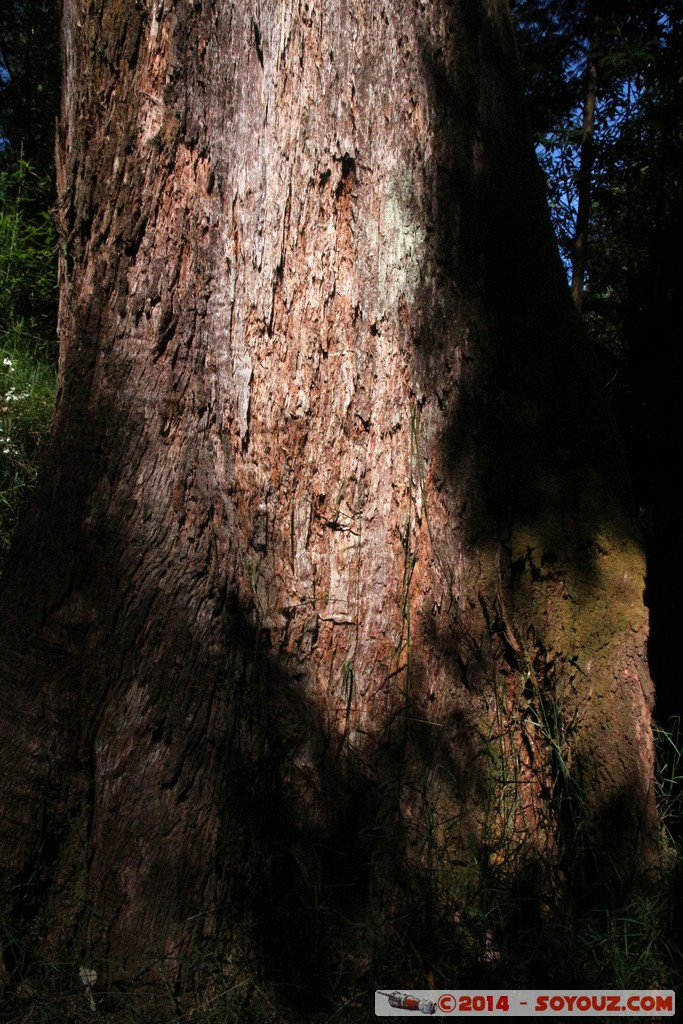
(334, 528)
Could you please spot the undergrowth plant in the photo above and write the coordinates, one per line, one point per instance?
(27, 392)
(28, 295)
(669, 782)
(627, 940)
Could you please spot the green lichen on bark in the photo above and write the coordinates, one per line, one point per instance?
(402, 242)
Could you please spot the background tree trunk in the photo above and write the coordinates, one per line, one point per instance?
(331, 592)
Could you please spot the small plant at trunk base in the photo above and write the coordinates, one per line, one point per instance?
(669, 780)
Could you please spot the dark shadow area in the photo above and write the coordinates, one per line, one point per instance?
(648, 415)
(529, 402)
(193, 770)
(332, 888)
(530, 447)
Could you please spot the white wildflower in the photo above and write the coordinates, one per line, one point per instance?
(88, 978)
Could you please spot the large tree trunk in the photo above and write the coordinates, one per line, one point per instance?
(331, 592)
(586, 157)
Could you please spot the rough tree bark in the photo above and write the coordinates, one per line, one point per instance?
(334, 537)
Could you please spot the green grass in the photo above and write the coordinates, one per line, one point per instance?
(28, 308)
(28, 381)
(630, 948)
